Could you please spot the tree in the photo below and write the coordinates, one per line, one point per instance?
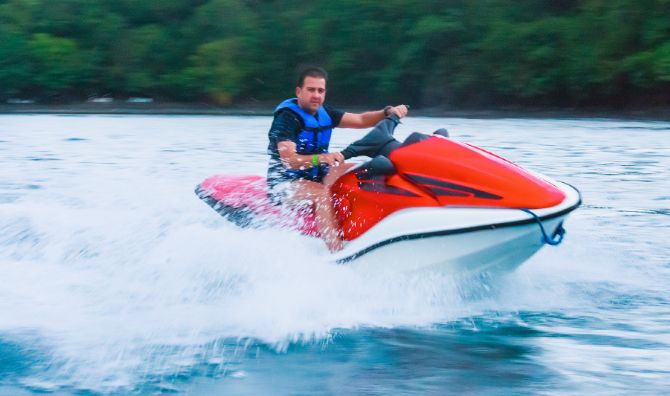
(15, 66)
(57, 63)
(215, 72)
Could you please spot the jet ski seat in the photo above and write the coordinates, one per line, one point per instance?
(379, 166)
(416, 137)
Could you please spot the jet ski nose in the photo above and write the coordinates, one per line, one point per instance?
(459, 174)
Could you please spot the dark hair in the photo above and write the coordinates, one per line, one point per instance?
(311, 71)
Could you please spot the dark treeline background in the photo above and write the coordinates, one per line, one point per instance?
(441, 54)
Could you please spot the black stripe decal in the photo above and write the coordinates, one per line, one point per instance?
(431, 184)
(385, 189)
(442, 192)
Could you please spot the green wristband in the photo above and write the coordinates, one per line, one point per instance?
(315, 160)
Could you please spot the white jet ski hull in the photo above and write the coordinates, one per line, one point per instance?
(449, 239)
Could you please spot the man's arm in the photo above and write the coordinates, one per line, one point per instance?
(370, 118)
(292, 160)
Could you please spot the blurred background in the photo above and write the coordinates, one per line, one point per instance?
(457, 54)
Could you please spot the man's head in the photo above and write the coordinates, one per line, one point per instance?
(311, 89)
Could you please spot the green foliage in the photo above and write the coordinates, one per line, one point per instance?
(15, 71)
(431, 53)
(215, 71)
(57, 63)
(660, 63)
(526, 59)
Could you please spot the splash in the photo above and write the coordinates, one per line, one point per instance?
(115, 275)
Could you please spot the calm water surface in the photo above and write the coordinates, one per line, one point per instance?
(116, 279)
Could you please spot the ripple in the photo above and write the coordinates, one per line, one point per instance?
(8, 198)
(653, 211)
(43, 159)
(645, 128)
(660, 211)
(18, 186)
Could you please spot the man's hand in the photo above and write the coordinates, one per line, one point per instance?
(400, 111)
(371, 118)
(331, 159)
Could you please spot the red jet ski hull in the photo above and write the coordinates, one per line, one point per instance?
(244, 201)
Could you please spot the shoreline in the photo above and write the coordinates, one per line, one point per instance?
(121, 108)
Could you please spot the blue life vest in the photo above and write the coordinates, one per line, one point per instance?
(314, 138)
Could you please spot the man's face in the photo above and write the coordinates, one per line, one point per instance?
(312, 94)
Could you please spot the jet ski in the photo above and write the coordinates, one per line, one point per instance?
(428, 203)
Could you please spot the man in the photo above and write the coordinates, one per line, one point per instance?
(301, 168)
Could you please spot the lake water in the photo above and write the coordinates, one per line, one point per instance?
(116, 279)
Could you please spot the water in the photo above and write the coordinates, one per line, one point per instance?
(116, 279)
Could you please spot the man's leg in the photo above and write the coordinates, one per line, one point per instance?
(319, 195)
